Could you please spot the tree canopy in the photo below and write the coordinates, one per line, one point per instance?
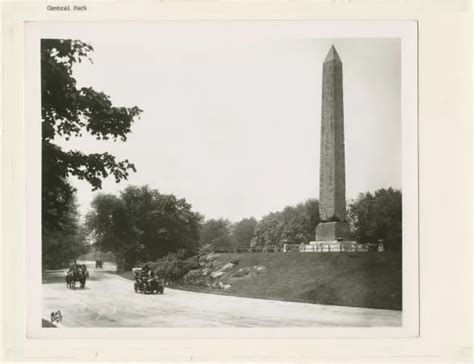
(216, 233)
(69, 111)
(142, 224)
(243, 232)
(377, 216)
(67, 243)
(292, 225)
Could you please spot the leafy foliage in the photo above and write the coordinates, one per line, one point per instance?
(243, 232)
(293, 225)
(377, 216)
(222, 234)
(216, 233)
(142, 225)
(68, 111)
(65, 244)
(174, 266)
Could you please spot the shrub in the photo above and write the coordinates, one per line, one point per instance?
(205, 249)
(174, 267)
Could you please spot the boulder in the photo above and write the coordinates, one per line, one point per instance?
(217, 274)
(192, 274)
(242, 272)
(205, 271)
(224, 286)
(227, 267)
(211, 256)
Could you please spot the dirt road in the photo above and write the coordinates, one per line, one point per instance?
(110, 301)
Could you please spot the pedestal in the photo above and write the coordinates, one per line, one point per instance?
(332, 231)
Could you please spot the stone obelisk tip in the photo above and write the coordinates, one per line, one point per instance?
(332, 55)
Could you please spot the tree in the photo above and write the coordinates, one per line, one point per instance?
(112, 231)
(292, 225)
(216, 233)
(141, 225)
(377, 216)
(64, 244)
(68, 111)
(243, 231)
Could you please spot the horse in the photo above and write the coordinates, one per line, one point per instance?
(76, 274)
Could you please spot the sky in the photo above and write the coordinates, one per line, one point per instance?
(231, 123)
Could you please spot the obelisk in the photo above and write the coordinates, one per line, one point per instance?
(332, 178)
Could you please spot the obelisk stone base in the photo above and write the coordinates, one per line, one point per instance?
(330, 231)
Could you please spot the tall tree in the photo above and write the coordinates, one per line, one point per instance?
(141, 224)
(377, 216)
(243, 232)
(68, 111)
(217, 233)
(67, 243)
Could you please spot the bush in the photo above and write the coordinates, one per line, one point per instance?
(184, 254)
(205, 249)
(174, 267)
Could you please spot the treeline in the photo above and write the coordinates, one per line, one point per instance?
(143, 225)
(294, 224)
(140, 224)
(372, 217)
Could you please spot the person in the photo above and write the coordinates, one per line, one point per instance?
(145, 273)
(72, 269)
(137, 275)
(69, 271)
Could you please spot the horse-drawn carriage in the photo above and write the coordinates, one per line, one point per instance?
(146, 281)
(76, 273)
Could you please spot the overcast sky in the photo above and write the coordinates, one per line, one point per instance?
(233, 125)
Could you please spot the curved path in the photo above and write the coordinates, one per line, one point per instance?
(110, 301)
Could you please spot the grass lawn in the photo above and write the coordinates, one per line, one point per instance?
(371, 279)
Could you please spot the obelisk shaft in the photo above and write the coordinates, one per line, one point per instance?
(332, 184)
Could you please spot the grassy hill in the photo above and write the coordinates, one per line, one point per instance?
(349, 279)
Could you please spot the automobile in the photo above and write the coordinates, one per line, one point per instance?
(147, 282)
